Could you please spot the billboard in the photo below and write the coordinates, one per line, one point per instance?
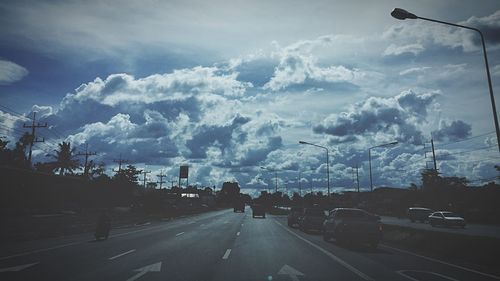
(183, 172)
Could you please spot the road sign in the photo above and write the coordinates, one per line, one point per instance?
(183, 172)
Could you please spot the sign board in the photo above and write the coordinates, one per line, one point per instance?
(183, 172)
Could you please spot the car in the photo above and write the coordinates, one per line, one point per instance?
(446, 218)
(294, 215)
(350, 225)
(239, 207)
(311, 219)
(258, 211)
(419, 214)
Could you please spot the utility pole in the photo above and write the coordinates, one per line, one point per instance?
(357, 177)
(144, 173)
(34, 139)
(86, 154)
(120, 162)
(433, 155)
(300, 188)
(161, 176)
(172, 182)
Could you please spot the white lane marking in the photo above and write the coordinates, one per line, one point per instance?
(238, 234)
(42, 250)
(18, 267)
(179, 234)
(329, 254)
(291, 272)
(121, 255)
(442, 262)
(402, 273)
(226, 222)
(226, 254)
(156, 267)
(241, 224)
(202, 224)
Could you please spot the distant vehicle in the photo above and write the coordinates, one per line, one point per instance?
(258, 211)
(348, 225)
(419, 214)
(446, 219)
(239, 206)
(312, 219)
(294, 215)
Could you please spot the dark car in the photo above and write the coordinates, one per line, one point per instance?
(258, 211)
(312, 219)
(419, 214)
(294, 215)
(239, 207)
(348, 225)
(446, 219)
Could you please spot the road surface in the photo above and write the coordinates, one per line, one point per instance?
(220, 246)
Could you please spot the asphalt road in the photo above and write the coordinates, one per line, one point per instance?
(492, 231)
(220, 245)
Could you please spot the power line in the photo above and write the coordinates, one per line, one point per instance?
(33, 127)
(466, 139)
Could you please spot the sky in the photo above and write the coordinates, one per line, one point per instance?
(227, 87)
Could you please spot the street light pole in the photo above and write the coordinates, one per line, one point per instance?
(370, 159)
(275, 174)
(402, 14)
(327, 163)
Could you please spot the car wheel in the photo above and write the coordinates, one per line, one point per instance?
(326, 236)
(432, 224)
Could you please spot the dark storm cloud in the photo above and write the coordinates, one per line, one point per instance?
(254, 156)
(397, 116)
(454, 131)
(214, 135)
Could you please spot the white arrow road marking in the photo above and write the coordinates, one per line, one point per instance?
(290, 271)
(17, 268)
(155, 267)
(121, 255)
(179, 234)
(226, 254)
(238, 234)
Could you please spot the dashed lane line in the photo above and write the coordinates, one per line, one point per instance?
(226, 254)
(121, 255)
(179, 234)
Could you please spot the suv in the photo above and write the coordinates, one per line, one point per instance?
(311, 219)
(419, 214)
(294, 215)
(258, 211)
(352, 225)
(239, 206)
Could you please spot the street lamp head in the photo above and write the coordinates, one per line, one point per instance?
(303, 142)
(402, 14)
(393, 143)
(264, 168)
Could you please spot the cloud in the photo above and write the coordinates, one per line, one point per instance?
(414, 70)
(395, 117)
(11, 72)
(394, 50)
(298, 66)
(495, 71)
(454, 131)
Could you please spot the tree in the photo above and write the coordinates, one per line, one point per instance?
(64, 158)
(129, 174)
(96, 170)
(18, 155)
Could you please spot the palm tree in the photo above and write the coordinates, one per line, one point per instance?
(64, 158)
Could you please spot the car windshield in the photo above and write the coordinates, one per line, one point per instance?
(314, 212)
(350, 214)
(450, 215)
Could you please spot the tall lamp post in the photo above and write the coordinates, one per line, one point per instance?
(275, 174)
(327, 163)
(402, 14)
(370, 159)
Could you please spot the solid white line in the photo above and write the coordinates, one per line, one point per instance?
(442, 262)
(238, 234)
(402, 273)
(121, 255)
(226, 255)
(329, 254)
(179, 234)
